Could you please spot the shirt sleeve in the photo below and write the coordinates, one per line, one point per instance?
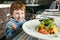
(8, 31)
(22, 22)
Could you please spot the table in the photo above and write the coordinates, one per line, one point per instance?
(55, 13)
(24, 36)
(50, 12)
(33, 7)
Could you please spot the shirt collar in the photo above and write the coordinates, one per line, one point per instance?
(13, 19)
(16, 20)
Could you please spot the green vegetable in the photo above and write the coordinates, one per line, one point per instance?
(41, 23)
(48, 27)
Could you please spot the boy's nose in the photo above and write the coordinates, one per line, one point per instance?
(18, 15)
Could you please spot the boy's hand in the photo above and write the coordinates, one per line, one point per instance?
(13, 27)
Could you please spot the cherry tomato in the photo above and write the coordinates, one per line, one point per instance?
(51, 30)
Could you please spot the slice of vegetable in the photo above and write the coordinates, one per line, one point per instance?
(55, 29)
(43, 31)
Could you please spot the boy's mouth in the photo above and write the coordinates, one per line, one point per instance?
(18, 18)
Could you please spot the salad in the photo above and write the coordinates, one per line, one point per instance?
(47, 26)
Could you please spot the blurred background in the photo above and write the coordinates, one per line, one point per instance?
(33, 8)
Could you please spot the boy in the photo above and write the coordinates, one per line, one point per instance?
(17, 14)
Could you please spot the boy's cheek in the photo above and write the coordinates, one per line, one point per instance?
(16, 15)
(22, 16)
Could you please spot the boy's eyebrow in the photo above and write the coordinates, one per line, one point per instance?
(16, 11)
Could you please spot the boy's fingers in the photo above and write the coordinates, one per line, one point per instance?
(13, 27)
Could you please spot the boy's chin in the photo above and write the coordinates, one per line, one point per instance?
(19, 20)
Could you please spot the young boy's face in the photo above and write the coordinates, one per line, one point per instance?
(18, 14)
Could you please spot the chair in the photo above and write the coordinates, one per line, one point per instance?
(3, 20)
(53, 5)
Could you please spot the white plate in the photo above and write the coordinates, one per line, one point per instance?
(29, 28)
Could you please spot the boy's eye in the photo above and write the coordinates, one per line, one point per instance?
(21, 13)
(17, 13)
